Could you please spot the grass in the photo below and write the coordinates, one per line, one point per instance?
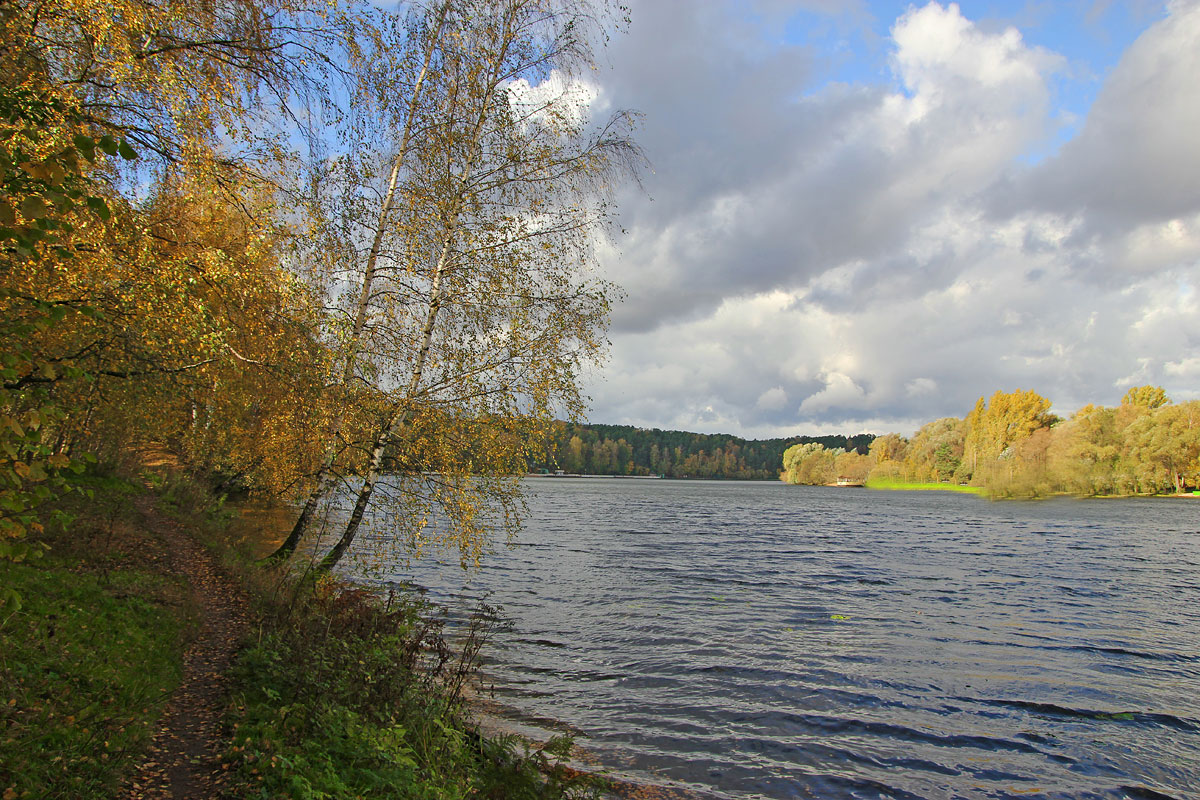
(338, 694)
(85, 665)
(894, 485)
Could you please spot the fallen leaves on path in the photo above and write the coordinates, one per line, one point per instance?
(182, 762)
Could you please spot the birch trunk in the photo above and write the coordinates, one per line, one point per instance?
(399, 417)
(436, 290)
(325, 476)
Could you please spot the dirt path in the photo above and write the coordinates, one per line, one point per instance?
(182, 762)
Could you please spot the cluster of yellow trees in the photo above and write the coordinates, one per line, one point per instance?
(298, 242)
(1012, 446)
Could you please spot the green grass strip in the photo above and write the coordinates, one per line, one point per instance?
(893, 485)
(85, 664)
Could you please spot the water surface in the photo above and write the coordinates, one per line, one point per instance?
(762, 640)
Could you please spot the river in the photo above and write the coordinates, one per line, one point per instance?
(747, 640)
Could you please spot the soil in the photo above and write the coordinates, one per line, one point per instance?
(182, 762)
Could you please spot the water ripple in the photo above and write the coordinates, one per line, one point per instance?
(755, 640)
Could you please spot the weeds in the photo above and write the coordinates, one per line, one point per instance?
(190, 501)
(339, 694)
(349, 695)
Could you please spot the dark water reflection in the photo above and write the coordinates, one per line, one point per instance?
(759, 640)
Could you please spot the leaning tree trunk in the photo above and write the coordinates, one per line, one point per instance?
(325, 476)
(450, 223)
(360, 505)
(510, 30)
(436, 294)
(398, 419)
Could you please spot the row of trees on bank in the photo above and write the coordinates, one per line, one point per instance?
(626, 450)
(1012, 446)
(290, 238)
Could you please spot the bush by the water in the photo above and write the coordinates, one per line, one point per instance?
(345, 694)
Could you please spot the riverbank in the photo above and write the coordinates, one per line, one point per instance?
(115, 646)
(891, 485)
(148, 657)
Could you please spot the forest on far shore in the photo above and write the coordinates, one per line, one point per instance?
(627, 450)
(1012, 446)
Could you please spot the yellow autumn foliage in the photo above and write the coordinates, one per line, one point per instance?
(146, 299)
(183, 262)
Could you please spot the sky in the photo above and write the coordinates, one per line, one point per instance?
(863, 216)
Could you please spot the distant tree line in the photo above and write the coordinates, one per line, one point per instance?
(627, 450)
(1012, 446)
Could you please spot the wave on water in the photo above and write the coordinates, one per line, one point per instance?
(766, 641)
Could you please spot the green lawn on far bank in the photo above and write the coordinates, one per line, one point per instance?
(895, 485)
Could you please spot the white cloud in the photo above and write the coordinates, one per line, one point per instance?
(841, 393)
(1153, 246)
(1136, 160)
(876, 257)
(939, 52)
(1187, 368)
(772, 399)
(558, 99)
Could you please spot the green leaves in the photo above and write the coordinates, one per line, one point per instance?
(99, 208)
(34, 206)
(86, 146)
(42, 186)
(40, 194)
(10, 598)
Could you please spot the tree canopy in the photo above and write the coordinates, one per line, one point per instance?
(1011, 445)
(288, 239)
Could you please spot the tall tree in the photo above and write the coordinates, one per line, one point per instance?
(935, 452)
(992, 427)
(486, 310)
(809, 464)
(1087, 452)
(1165, 445)
(1147, 397)
(410, 59)
(890, 447)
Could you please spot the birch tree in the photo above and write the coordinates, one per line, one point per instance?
(482, 307)
(410, 70)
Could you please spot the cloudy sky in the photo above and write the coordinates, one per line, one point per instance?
(862, 215)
